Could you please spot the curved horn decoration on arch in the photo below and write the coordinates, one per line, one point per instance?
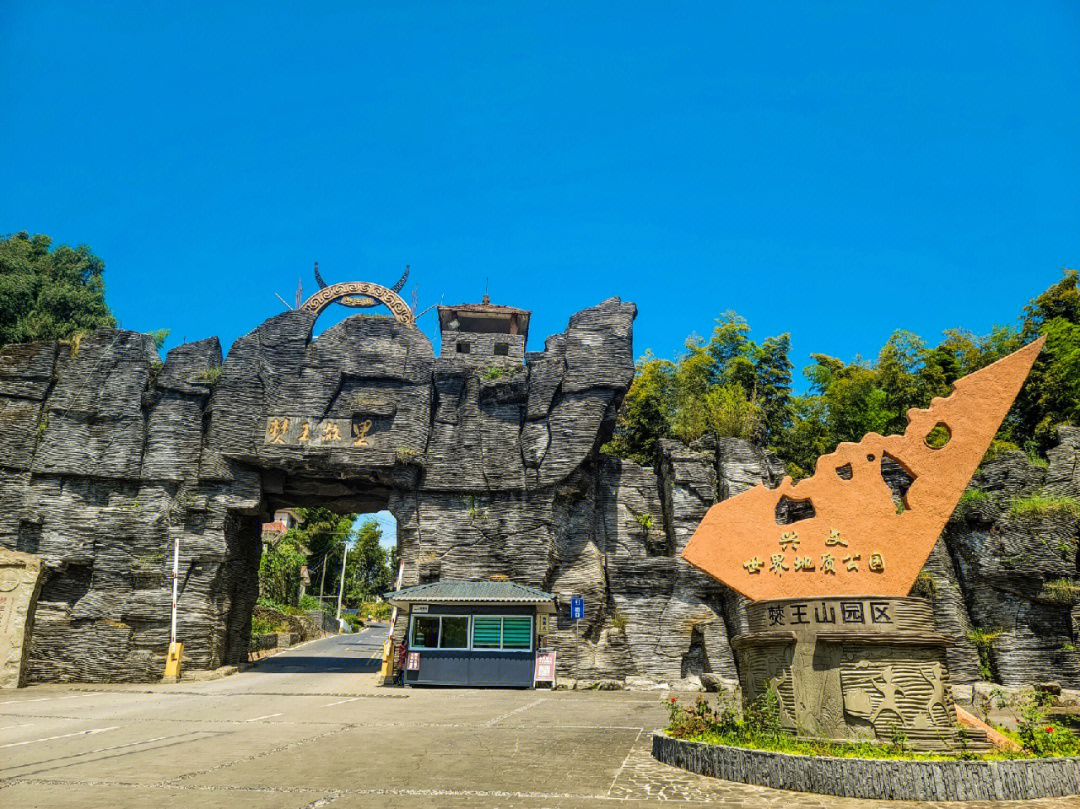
(336, 293)
(361, 301)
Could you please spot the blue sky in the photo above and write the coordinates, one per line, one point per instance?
(836, 170)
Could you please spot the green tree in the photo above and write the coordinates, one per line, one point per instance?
(1051, 394)
(645, 415)
(49, 294)
(279, 569)
(368, 573)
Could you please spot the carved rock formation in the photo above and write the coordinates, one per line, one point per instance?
(108, 455)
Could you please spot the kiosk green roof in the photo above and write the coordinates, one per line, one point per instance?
(472, 592)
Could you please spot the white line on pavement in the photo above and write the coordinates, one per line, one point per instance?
(63, 736)
(501, 717)
(340, 702)
(46, 699)
(9, 727)
(268, 716)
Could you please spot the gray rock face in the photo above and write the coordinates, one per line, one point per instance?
(1017, 564)
(110, 456)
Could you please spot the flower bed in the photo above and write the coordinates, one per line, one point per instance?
(883, 779)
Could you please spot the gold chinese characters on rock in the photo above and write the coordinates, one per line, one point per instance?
(304, 432)
(805, 563)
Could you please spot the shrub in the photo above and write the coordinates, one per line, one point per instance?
(264, 626)
(1039, 735)
(355, 622)
(308, 603)
(925, 586)
(379, 610)
(645, 520)
(984, 643)
(494, 372)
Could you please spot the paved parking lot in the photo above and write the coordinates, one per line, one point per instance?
(310, 728)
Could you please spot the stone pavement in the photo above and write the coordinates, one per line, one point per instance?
(310, 728)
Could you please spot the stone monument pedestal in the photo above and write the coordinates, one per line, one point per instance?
(20, 580)
(852, 668)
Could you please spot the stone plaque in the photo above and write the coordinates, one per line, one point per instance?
(20, 579)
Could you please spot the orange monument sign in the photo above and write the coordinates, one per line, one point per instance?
(855, 539)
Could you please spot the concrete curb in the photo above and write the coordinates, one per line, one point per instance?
(1004, 780)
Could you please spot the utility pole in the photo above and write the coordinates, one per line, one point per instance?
(322, 580)
(341, 589)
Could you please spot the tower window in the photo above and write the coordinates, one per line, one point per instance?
(463, 348)
(502, 350)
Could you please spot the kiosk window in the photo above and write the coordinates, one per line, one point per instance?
(517, 632)
(425, 632)
(510, 633)
(440, 632)
(455, 632)
(487, 632)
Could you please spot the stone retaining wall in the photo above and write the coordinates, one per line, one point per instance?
(1014, 779)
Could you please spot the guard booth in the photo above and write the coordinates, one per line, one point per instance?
(473, 633)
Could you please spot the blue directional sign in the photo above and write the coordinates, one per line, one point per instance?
(577, 607)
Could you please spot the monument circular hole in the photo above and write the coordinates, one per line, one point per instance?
(869, 457)
(938, 437)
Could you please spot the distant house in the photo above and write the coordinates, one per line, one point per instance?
(284, 519)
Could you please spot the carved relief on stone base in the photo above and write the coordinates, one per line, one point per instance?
(20, 580)
(845, 669)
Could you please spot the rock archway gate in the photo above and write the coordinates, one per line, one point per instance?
(108, 455)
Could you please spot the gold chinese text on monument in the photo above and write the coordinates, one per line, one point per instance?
(304, 432)
(856, 541)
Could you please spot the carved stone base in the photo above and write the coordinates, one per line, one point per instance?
(20, 580)
(851, 668)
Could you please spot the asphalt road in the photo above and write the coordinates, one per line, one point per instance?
(312, 728)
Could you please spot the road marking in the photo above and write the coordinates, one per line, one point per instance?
(9, 727)
(268, 716)
(46, 699)
(511, 713)
(62, 736)
(340, 702)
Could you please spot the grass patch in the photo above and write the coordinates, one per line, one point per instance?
(997, 448)
(210, 375)
(494, 372)
(1061, 591)
(970, 501)
(1038, 505)
(405, 455)
(984, 643)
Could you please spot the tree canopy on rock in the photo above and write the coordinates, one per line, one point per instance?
(49, 294)
(732, 386)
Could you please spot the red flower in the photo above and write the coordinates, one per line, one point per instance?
(674, 699)
(1048, 729)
